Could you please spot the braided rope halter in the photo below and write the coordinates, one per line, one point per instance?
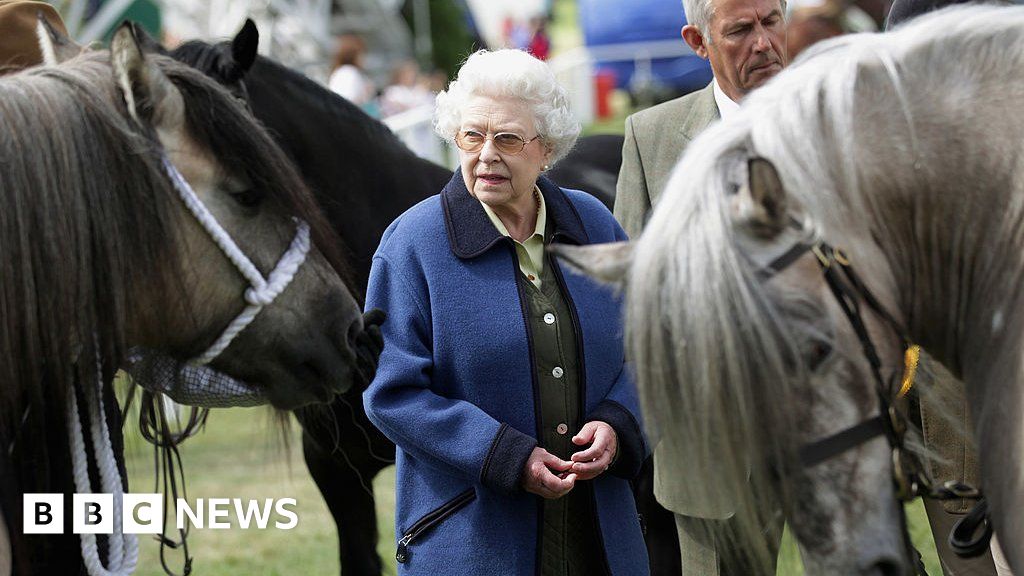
(123, 549)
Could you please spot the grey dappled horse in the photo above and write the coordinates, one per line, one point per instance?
(904, 150)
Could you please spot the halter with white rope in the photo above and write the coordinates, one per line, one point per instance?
(122, 550)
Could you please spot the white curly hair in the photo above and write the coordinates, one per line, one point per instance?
(516, 74)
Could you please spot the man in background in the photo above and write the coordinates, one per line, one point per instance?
(745, 42)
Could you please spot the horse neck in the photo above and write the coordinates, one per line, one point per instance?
(963, 274)
(357, 145)
(951, 231)
(362, 174)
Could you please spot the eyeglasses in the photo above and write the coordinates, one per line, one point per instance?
(505, 142)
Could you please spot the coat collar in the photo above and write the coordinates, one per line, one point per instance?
(471, 233)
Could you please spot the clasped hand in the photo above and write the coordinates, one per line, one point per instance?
(551, 477)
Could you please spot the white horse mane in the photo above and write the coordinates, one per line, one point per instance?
(887, 127)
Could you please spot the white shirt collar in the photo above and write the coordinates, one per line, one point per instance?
(725, 104)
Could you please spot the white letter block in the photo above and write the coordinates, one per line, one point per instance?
(42, 514)
(218, 509)
(143, 514)
(92, 514)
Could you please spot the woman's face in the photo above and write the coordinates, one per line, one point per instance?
(499, 179)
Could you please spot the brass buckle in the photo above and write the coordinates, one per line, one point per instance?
(899, 427)
(822, 257)
(906, 485)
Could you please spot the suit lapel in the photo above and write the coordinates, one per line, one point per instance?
(702, 113)
(691, 121)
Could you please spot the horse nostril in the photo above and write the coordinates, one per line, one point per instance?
(887, 568)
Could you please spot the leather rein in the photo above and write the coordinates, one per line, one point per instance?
(970, 536)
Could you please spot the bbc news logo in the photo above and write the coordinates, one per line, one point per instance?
(144, 513)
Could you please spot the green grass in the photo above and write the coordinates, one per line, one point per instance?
(240, 456)
(920, 533)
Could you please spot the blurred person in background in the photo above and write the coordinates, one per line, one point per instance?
(540, 43)
(348, 78)
(515, 33)
(435, 81)
(812, 24)
(811, 21)
(406, 91)
(502, 381)
(745, 42)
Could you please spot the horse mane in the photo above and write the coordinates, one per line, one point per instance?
(862, 125)
(217, 61)
(87, 218)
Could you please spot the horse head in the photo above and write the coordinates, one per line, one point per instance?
(742, 371)
(227, 62)
(798, 248)
(300, 345)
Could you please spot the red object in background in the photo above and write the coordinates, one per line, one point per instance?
(540, 45)
(604, 83)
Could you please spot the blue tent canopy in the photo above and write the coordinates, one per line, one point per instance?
(609, 22)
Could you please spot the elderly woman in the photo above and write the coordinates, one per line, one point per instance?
(502, 379)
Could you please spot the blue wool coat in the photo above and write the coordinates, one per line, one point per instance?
(455, 387)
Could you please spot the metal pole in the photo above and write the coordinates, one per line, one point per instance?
(424, 44)
(104, 20)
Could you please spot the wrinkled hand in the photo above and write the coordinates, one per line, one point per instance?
(369, 344)
(595, 460)
(542, 475)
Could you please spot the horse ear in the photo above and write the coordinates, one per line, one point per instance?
(147, 43)
(606, 263)
(150, 95)
(53, 43)
(760, 206)
(245, 45)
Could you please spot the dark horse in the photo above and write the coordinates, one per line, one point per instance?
(100, 254)
(364, 177)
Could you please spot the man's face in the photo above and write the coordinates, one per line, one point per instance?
(747, 44)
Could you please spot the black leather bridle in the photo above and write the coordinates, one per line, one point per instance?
(909, 475)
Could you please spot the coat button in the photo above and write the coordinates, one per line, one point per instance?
(562, 429)
(557, 372)
(549, 318)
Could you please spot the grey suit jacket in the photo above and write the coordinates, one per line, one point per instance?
(655, 139)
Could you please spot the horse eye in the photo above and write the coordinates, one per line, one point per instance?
(818, 353)
(249, 198)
